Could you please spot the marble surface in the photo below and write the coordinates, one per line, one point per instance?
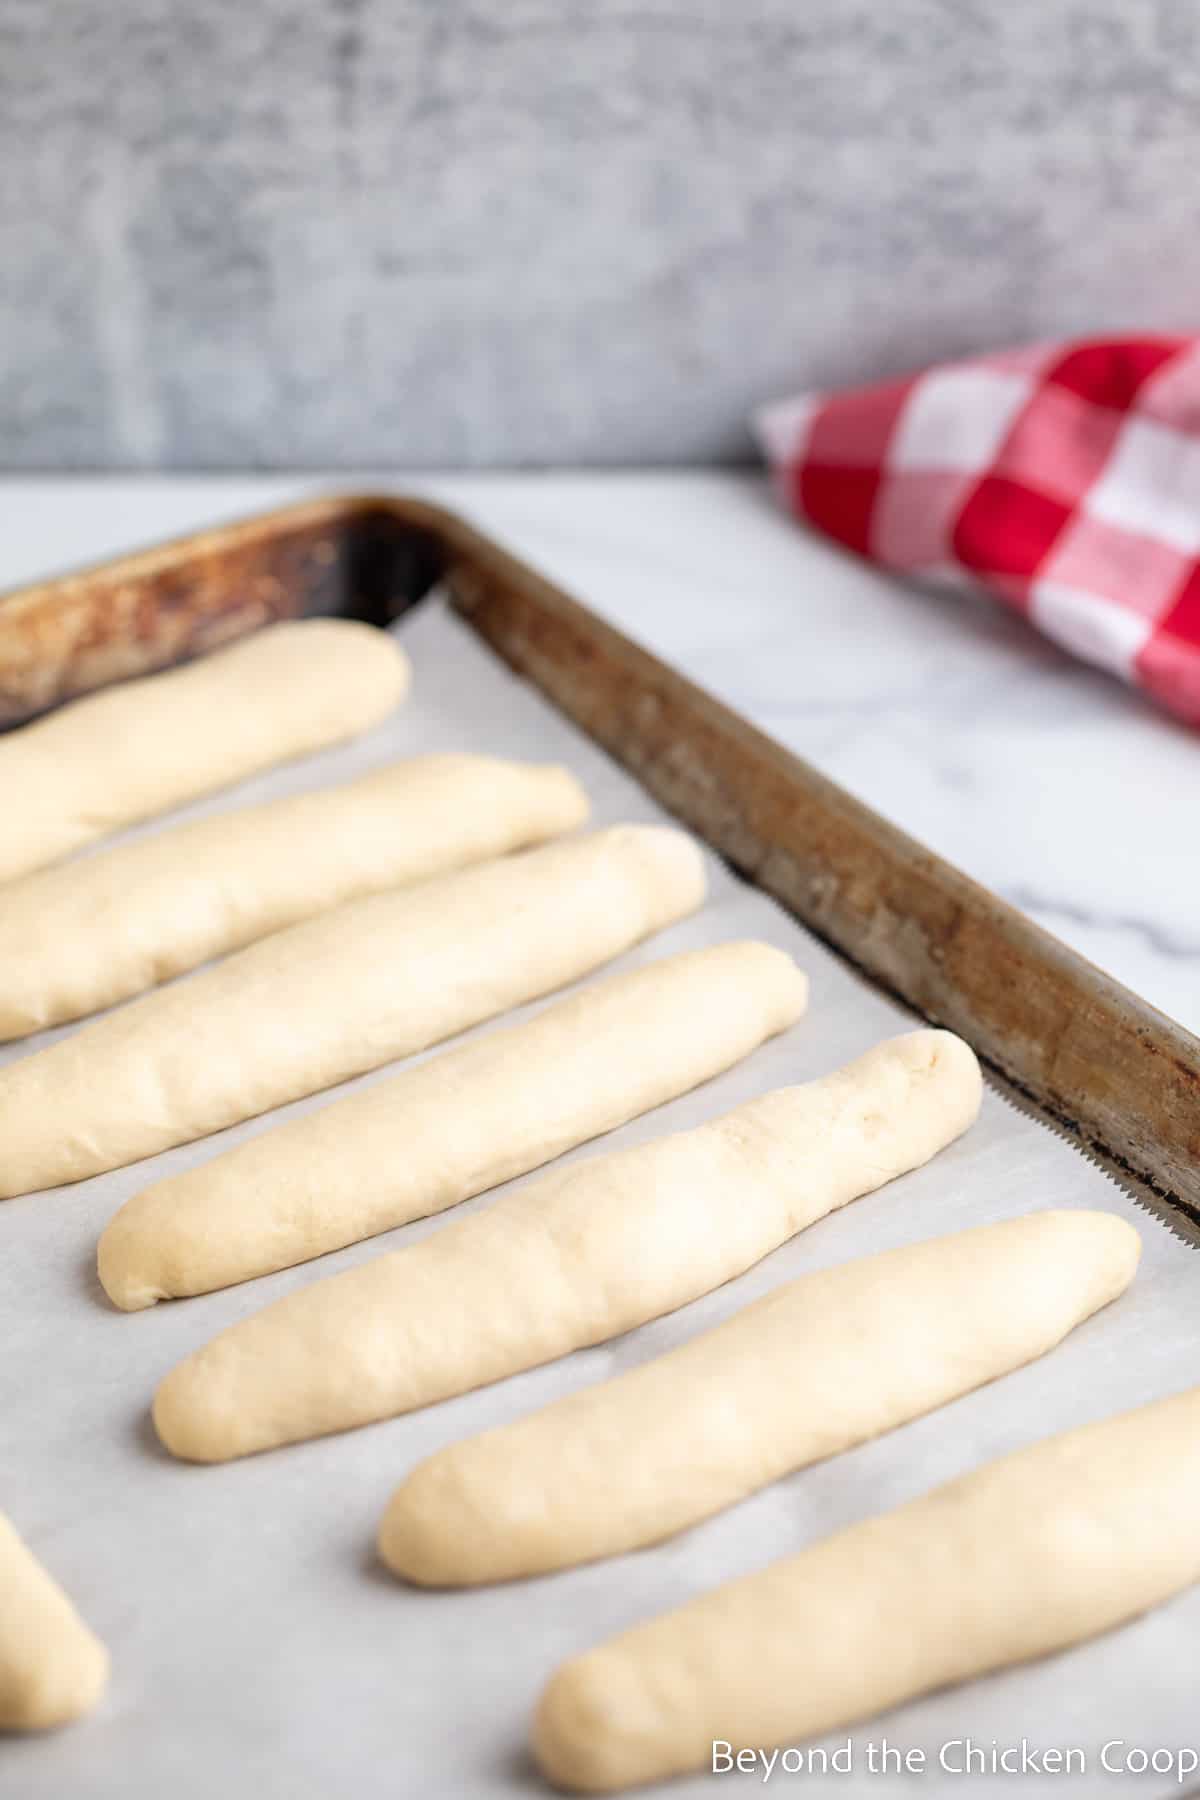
(1048, 782)
(443, 231)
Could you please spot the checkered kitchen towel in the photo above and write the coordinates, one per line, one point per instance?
(1064, 478)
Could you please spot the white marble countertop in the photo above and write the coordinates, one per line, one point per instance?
(1051, 784)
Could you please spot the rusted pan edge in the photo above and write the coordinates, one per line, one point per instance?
(65, 637)
(1117, 1074)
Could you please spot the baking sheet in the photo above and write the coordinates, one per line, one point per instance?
(258, 1650)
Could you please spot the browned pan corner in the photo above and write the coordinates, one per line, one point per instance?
(354, 555)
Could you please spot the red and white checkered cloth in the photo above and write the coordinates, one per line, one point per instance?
(1063, 478)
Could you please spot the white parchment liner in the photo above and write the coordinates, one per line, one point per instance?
(259, 1651)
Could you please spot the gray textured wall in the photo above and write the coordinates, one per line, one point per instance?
(254, 232)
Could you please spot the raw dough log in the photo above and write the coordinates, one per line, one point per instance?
(327, 999)
(573, 1259)
(52, 1668)
(1022, 1557)
(817, 1366)
(78, 938)
(147, 745)
(453, 1126)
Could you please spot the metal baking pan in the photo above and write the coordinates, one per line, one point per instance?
(299, 1668)
(1068, 1042)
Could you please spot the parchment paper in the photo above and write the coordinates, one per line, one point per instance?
(259, 1651)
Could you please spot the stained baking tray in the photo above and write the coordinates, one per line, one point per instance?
(1088, 1056)
(257, 1650)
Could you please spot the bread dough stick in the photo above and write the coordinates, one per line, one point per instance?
(52, 1668)
(144, 746)
(817, 1366)
(453, 1126)
(80, 937)
(1024, 1556)
(347, 991)
(573, 1259)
